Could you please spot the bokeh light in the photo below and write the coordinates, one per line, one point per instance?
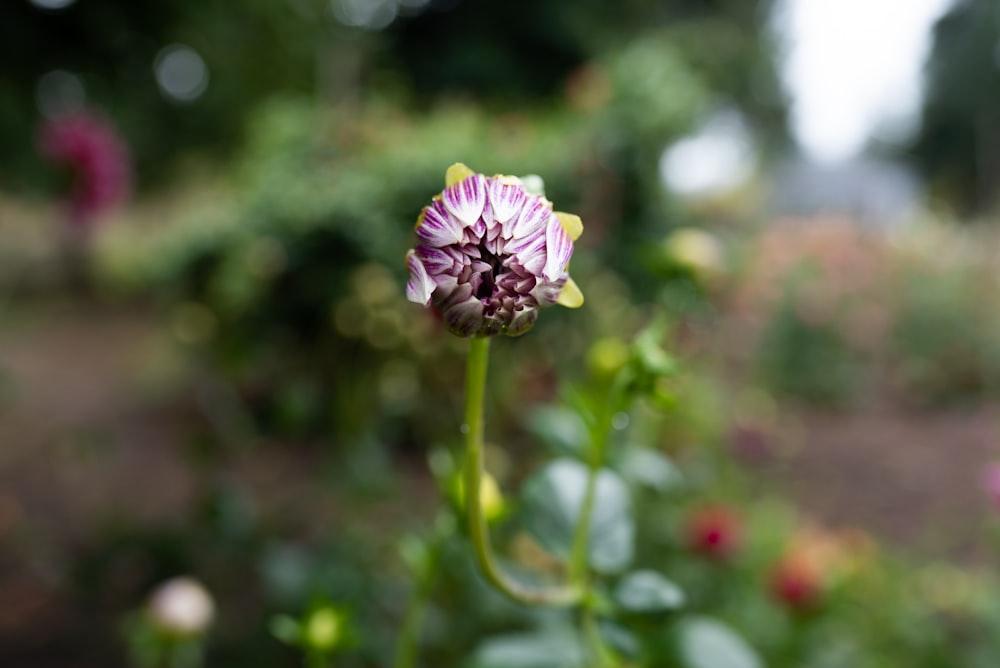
(59, 92)
(52, 4)
(717, 157)
(371, 14)
(181, 73)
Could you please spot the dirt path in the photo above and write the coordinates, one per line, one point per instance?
(912, 478)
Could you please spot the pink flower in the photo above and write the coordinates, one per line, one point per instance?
(991, 483)
(97, 157)
(490, 255)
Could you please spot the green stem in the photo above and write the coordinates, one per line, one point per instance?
(595, 461)
(475, 393)
(406, 646)
(601, 654)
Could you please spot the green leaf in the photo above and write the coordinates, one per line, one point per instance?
(707, 643)
(561, 429)
(620, 639)
(286, 629)
(650, 468)
(553, 498)
(530, 650)
(648, 591)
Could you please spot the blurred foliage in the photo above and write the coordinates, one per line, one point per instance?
(808, 360)
(840, 315)
(784, 592)
(340, 53)
(281, 278)
(287, 272)
(958, 145)
(945, 340)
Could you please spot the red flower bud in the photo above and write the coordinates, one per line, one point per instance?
(796, 583)
(715, 532)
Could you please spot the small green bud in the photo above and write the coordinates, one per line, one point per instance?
(606, 356)
(490, 496)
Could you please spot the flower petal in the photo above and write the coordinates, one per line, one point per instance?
(571, 296)
(436, 260)
(518, 246)
(558, 249)
(546, 293)
(507, 196)
(466, 199)
(531, 257)
(437, 228)
(456, 173)
(523, 319)
(420, 286)
(465, 318)
(475, 233)
(535, 213)
(571, 223)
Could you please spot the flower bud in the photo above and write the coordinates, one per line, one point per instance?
(606, 356)
(491, 254)
(715, 532)
(696, 250)
(490, 496)
(796, 583)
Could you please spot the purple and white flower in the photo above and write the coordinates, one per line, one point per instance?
(490, 255)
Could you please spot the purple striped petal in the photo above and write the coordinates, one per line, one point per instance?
(465, 318)
(493, 230)
(496, 246)
(523, 319)
(460, 293)
(466, 199)
(547, 292)
(516, 246)
(534, 216)
(507, 197)
(420, 286)
(436, 260)
(558, 250)
(474, 233)
(533, 258)
(437, 228)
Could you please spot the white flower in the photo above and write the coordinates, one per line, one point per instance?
(181, 606)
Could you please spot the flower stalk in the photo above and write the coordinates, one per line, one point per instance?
(475, 394)
(409, 636)
(578, 566)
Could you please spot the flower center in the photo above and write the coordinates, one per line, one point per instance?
(485, 289)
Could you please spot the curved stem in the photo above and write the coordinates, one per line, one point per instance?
(475, 393)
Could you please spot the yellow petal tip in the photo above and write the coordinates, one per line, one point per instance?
(570, 297)
(457, 172)
(571, 223)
